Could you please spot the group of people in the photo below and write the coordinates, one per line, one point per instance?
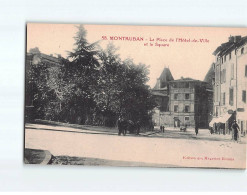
(220, 128)
(125, 125)
(162, 128)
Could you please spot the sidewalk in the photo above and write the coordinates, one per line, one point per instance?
(88, 129)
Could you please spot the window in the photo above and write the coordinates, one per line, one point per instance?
(220, 76)
(230, 56)
(242, 50)
(224, 58)
(231, 96)
(242, 126)
(187, 118)
(244, 96)
(223, 95)
(187, 96)
(232, 71)
(213, 81)
(186, 108)
(181, 85)
(224, 75)
(175, 96)
(176, 108)
(216, 94)
(246, 70)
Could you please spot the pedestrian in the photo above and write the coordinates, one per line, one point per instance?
(120, 125)
(219, 128)
(196, 129)
(152, 126)
(235, 129)
(163, 129)
(215, 128)
(211, 130)
(138, 126)
(160, 128)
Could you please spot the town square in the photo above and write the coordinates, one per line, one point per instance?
(96, 107)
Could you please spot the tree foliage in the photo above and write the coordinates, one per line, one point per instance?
(93, 86)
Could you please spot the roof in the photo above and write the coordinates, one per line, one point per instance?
(50, 58)
(44, 57)
(210, 74)
(156, 93)
(233, 43)
(166, 75)
(164, 78)
(188, 79)
(162, 89)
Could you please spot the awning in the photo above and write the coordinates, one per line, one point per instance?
(224, 118)
(211, 124)
(221, 119)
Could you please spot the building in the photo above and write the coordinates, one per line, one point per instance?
(230, 83)
(210, 79)
(182, 102)
(188, 103)
(161, 95)
(33, 59)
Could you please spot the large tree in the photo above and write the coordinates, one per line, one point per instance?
(106, 92)
(122, 88)
(135, 97)
(81, 73)
(92, 86)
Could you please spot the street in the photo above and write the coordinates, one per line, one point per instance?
(172, 148)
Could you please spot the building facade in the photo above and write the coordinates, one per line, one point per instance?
(182, 102)
(188, 101)
(161, 95)
(230, 84)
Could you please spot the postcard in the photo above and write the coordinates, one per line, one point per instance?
(135, 96)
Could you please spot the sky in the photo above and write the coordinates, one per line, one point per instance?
(185, 59)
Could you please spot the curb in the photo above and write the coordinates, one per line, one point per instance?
(47, 158)
(45, 122)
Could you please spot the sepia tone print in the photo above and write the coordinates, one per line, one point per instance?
(152, 96)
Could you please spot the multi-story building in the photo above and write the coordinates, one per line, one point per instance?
(230, 83)
(188, 101)
(210, 79)
(182, 102)
(161, 95)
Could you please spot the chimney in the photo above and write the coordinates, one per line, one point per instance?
(237, 39)
(231, 39)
